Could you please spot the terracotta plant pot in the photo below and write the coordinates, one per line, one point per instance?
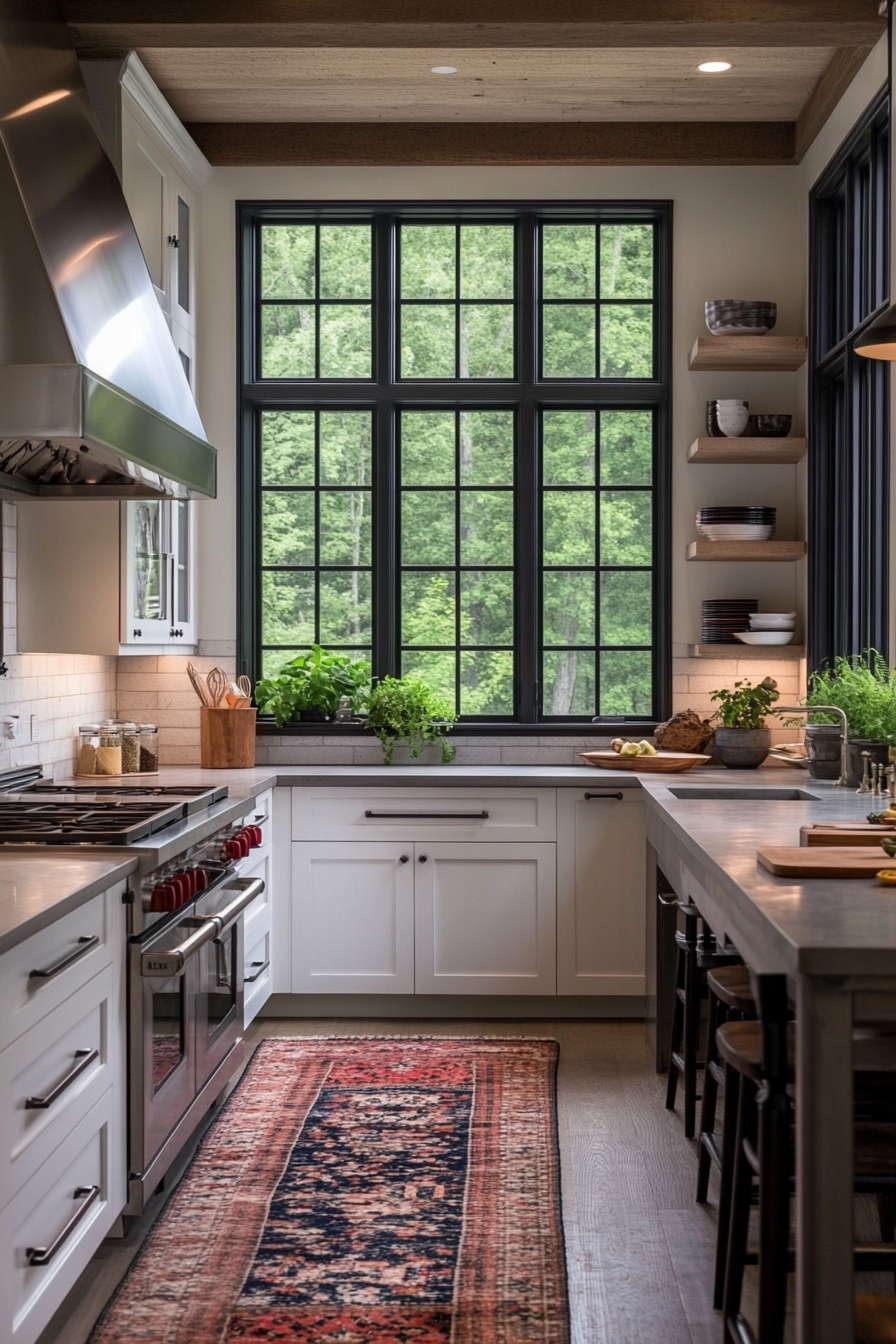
(742, 748)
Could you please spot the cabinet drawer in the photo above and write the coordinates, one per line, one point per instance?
(44, 1215)
(258, 914)
(421, 814)
(68, 953)
(66, 1061)
(258, 975)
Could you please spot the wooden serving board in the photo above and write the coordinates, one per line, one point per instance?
(853, 861)
(664, 762)
(846, 833)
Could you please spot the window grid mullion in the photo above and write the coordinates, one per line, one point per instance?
(387, 396)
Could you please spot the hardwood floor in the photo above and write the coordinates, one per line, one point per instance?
(639, 1250)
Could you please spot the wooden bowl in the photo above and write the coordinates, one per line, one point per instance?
(663, 763)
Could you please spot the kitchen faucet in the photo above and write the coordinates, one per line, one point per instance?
(844, 729)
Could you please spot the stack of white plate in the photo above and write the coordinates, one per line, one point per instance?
(769, 627)
(736, 522)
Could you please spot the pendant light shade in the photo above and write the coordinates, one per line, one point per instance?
(879, 340)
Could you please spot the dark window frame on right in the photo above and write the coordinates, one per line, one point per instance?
(849, 397)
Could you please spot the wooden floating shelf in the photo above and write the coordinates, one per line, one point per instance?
(746, 550)
(771, 354)
(770, 652)
(747, 451)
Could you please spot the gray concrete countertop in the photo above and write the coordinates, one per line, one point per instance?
(39, 887)
(811, 926)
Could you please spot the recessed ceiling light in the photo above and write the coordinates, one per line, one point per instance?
(443, 69)
(714, 67)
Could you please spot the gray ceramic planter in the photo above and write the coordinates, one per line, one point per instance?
(742, 748)
(823, 748)
(879, 752)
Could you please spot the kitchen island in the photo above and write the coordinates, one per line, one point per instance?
(835, 941)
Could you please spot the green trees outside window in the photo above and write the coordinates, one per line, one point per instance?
(455, 451)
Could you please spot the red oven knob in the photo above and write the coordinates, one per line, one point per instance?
(164, 897)
(233, 849)
(179, 882)
(255, 836)
(201, 877)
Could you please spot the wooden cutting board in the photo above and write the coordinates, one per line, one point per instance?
(846, 833)
(807, 861)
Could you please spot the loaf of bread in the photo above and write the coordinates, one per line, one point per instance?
(685, 731)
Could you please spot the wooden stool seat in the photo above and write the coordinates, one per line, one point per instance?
(875, 1320)
(740, 1045)
(731, 984)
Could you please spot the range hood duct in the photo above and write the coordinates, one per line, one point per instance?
(94, 401)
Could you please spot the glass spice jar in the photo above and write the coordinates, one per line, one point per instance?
(88, 741)
(149, 748)
(108, 752)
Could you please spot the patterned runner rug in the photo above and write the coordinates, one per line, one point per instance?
(364, 1191)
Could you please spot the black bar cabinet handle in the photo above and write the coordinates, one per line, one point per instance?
(86, 944)
(85, 1058)
(42, 1255)
(667, 898)
(419, 816)
(598, 796)
(262, 967)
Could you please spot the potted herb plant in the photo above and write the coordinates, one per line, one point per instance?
(407, 710)
(310, 686)
(864, 687)
(743, 741)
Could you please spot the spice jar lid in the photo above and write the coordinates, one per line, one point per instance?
(148, 728)
(89, 728)
(123, 725)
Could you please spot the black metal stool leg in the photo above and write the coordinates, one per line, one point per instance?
(677, 1030)
(710, 1098)
(739, 1225)
(692, 1000)
(726, 1183)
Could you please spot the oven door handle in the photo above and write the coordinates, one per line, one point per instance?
(249, 888)
(163, 965)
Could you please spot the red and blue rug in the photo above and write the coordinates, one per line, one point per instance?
(364, 1191)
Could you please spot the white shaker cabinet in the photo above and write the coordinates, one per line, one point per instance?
(485, 918)
(601, 902)
(353, 918)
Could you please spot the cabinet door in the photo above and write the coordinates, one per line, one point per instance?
(144, 170)
(486, 918)
(183, 571)
(601, 892)
(181, 241)
(353, 918)
(146, 572)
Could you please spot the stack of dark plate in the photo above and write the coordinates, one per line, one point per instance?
(724, 616)
(736, 522)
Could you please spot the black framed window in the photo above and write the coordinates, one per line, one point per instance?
(455, 450)
(849, 397)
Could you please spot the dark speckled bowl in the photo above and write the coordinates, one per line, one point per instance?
(740, 317)
(771, 426)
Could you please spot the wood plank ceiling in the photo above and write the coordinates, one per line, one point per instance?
(571, 81)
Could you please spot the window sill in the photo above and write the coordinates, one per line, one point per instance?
(580, 728)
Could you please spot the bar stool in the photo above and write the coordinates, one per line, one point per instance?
(760, 1053)
(697, 954)
(730, 999)
(875, 1320)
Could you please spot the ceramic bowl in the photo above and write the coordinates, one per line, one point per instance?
(727, 419)
(764, 636)
(771, 426)
(740, 317)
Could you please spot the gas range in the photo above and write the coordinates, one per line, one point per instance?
(185, 838)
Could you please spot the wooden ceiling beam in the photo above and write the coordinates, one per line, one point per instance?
(358, 144)
(106, 25)
(839, 73)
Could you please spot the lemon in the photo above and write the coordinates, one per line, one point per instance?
(888, 877)
(629, 749)
(645, 749)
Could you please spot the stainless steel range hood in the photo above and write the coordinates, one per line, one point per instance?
(94, 402)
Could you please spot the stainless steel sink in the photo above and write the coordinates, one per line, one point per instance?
(738, 794)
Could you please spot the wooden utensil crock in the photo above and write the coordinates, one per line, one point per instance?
(227, 738)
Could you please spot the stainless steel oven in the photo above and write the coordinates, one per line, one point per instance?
(185, 1016)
